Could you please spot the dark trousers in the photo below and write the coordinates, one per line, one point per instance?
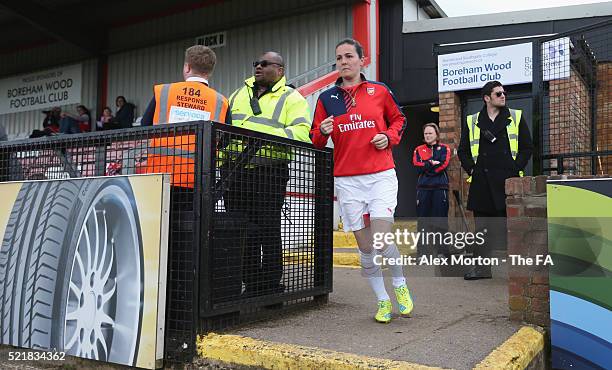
(259, 194)
(69, 125)
(432, 213)
(495, 235)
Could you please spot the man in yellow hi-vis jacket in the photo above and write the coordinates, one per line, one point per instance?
(495, 145)
(257, 188)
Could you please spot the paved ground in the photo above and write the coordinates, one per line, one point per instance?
(456, 323)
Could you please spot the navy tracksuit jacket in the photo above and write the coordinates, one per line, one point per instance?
(432, 185)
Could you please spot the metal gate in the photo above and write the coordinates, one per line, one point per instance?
(572, 90)
(250, 215)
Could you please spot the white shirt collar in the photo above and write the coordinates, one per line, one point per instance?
(199, 79)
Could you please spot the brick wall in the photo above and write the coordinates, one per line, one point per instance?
(528, 237)
(569, 125)
(604, 116)
(450, 134)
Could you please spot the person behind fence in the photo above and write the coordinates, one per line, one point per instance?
(4, 162)
(75, 123)
(105, 122)
(495, 145)
(431, 160)
(364, 122)
(125, 113)
(50, 123)
(10, 170)
(265, 103)
(176, 154)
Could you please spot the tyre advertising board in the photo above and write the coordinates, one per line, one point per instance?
(83, 267)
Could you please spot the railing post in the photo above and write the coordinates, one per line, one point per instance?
(537, 116)
(100, 160)
(323, 235)
(205, 175)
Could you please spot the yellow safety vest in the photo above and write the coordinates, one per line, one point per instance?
(512, 129)
(284, 113)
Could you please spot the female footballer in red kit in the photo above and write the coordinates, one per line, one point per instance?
(364, 121)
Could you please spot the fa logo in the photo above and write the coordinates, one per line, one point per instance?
(335, 96)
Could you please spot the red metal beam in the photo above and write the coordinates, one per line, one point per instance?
(361, 25)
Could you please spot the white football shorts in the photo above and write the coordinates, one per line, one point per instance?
(363, 197)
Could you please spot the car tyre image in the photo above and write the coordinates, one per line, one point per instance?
(71, 269)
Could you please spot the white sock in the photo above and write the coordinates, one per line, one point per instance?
(378, 286)
(368, 267)
(396, 270)
(398, 282)
(373, 274)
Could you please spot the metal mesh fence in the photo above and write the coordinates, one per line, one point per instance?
(272, 216)
(250, 214)
(573, 80)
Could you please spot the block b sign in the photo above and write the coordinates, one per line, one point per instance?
(213, 40)
(510, 65)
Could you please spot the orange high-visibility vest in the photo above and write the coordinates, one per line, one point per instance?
(182, 102)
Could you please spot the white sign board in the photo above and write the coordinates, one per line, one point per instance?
(46, 89)
(508, 64)
(556, 59)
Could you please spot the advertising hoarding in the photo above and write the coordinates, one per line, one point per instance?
(83, 267)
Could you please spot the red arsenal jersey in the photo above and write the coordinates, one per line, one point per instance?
(359, 113)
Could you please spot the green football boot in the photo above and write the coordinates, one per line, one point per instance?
(383, 315)
(404, 300)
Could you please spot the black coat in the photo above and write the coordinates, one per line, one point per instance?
(125, 115)
(495, 163)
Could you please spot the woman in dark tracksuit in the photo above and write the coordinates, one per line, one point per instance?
(431, 160)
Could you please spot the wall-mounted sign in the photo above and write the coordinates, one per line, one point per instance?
(508, 64)
(214, 40)
(556, 59)
(46, 89)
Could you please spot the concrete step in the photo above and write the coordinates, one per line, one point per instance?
(347, 239)
(347, 260)
(344, 240)
(405, 224)
(346, 250)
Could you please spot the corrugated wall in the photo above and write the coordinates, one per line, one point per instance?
(20, 125)
(42, 57)
(305, 41)
(212, 17)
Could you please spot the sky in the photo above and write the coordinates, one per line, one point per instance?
(456, 8)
